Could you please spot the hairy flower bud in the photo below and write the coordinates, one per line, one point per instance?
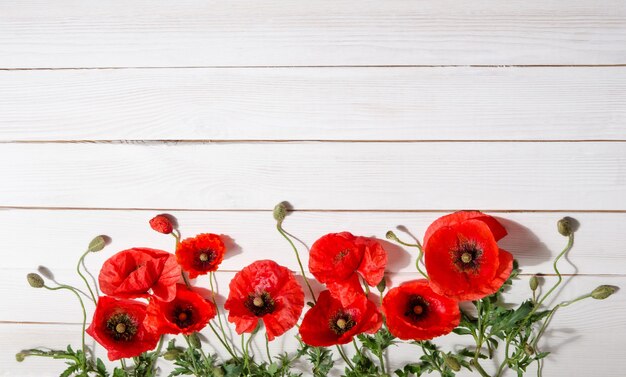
(382, 285)
(19, 357)
(35, 280)
(533, 282)
(194, 340)
(528, 349)
(280, 212)
(162, 224)
(603, 292)
(390, 235)
(452, 363)
(96, 244)
(564, 226)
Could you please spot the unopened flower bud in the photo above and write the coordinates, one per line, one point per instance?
(533, 282)
(528, 349)
(162, 224)
(171, 355)
(603, 292)
(564, 226)
(96, 244)
(194, 340)
(390, 235)
(382, 285)
(280, 212)
(19, 357)
(452, 363)
(35, 280)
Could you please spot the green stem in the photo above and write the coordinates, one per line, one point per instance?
(244, 349)
(80, 261)
(279, 227)
(192, 355)
(432, 359)
(381, 359)
(154, 358)
(123, 363)
(418, 245)
(230, 350)
(267, 348)
(82, 305)
(344, 357)
(570, 243)
(219, 315)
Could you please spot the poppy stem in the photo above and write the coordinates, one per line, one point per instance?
(80, 261)
(225, 344)
(568, 247)
(280, 229)
(344, 357)
(82, 305)
(244, 349)
(417, 244)
(267, 348)
(123, 363)
(192, 355)
(219, 315)
(155, 356)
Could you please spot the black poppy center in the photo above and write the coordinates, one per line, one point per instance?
(183, 316)
(416, 308)
(121, 327)
(204, 258)
(341, 322)
(466, 255)
(260, 304)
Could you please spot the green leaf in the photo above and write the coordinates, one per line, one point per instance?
(462, 331)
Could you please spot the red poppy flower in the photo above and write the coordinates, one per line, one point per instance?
(329, 322)
(336, 258)
(462, 257)
(264, 291)
(189, 312)
(118, 326)
(162, 224)
(414, 311)
(201, 254)
(134, 272)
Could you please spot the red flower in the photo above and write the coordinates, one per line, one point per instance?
(189, 312)
(118, 326)
(336, 258)
(268, 292)
(414, 311)
(134, 272)
(462, 257)
(201, 254)
(329, 322)
(162, 224)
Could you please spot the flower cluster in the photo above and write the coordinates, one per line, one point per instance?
(148, 294)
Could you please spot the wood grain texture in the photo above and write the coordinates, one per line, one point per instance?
(315, 103)
(586, 323)
(250, 236)
(548, 176)
(145, 33)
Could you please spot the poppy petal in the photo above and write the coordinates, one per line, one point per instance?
(458, 217)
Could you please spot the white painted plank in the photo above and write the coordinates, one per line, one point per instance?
(574, 337)
(548, 176)
(144, 33)
(56, 238)
(316, 103)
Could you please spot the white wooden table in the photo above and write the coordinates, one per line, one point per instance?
(364, 115)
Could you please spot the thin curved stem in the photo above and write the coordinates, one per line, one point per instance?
(568, 247)
(193, 356)
(267, 348)
(344, 357)
(279, 227)
(80, 261)
(419, 247)
(82, 305)
(219, 314)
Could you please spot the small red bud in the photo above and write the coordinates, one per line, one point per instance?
(162, 224)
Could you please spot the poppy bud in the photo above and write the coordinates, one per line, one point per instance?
(19, 357)
(564, 226)
(382, 285)
(528, 349)
(533, 282)
(390, 235)
(280, 212)
(171, 355)
(194, 340)
(452, 363)
(96, 244)
(603, 292)
(35, 280)
(162, 224)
